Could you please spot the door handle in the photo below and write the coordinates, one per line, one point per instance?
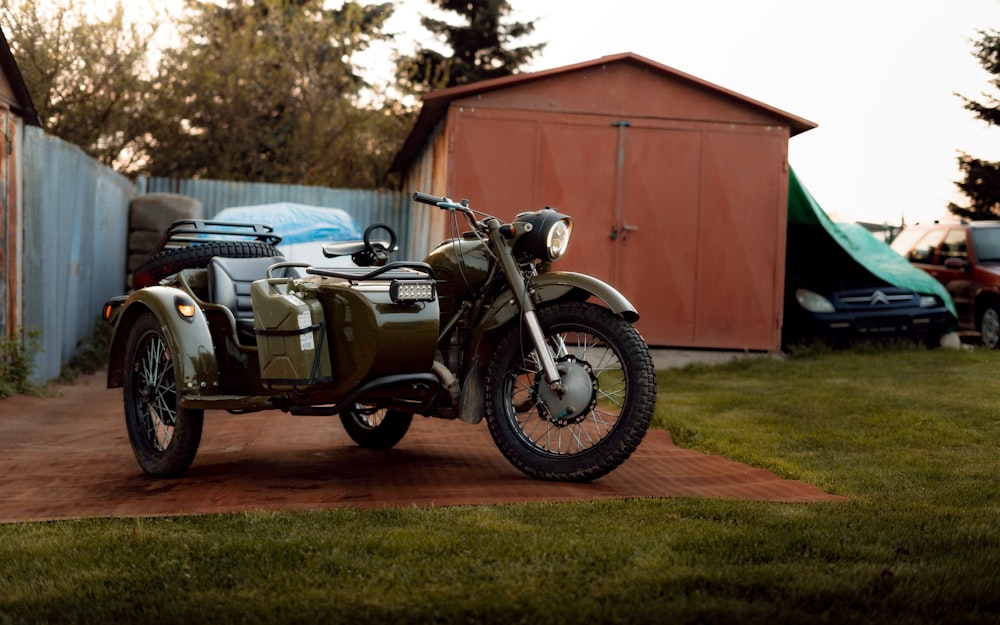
(625, 227)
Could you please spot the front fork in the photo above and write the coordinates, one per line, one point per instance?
(519, 288)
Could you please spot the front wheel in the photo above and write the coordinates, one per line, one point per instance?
(375, 428)
(989, 326)
(164, 436)
(607, 403)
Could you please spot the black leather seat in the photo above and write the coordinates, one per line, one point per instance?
(229, 281)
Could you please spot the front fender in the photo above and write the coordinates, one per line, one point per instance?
(189, 339)
(556, 285)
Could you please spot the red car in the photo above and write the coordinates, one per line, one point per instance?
(965, 258)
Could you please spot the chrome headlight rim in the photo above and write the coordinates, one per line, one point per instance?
(557, 239)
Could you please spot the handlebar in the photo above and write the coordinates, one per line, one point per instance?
(427, 198)
(442, 202)
(451, 205)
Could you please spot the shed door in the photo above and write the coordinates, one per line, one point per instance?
(633, 192)
(655, 232)
(682, 218)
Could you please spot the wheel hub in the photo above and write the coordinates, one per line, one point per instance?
(577, 397)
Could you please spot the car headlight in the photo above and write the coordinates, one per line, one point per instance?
(813, 302)
(545, 234)
(929, 301)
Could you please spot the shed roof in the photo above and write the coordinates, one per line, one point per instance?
(435, 104)
(21, 103)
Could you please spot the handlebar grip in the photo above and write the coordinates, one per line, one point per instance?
(426, 198)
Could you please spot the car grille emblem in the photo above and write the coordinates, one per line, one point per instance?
(878, 297)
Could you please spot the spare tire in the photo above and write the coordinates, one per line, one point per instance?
(170, 261)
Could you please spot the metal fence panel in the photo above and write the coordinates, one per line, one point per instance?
(75, 234)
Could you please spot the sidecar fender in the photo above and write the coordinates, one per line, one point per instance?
(557, 285)
(196, 369)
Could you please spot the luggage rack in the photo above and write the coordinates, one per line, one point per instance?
(410, 282)
(186, 232)
(400, 270)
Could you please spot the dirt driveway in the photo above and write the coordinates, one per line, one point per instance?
(67, 456)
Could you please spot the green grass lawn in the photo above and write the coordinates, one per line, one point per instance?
(909, 435)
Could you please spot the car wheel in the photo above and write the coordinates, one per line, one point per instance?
(989, 326)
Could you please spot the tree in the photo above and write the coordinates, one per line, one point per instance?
(482, 47)
(981, 182)
(88, 76)
(266, 91)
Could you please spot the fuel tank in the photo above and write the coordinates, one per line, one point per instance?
(370, 336)
(460, 265)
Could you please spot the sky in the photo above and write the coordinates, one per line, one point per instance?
(879, 77)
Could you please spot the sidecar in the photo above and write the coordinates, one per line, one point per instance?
(219, 320)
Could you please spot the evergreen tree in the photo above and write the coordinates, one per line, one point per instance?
(982, 178)
(482, 46)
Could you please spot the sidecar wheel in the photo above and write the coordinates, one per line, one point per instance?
(375, 428)
(611, 394)
(164, 436)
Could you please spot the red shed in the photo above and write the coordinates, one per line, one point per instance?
(678, 187)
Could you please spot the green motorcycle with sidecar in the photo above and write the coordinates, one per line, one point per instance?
(481, 328)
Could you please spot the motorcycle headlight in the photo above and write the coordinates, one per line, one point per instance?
(813, 302)
(557, 240)
(546, 234)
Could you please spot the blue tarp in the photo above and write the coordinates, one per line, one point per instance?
(296, 223)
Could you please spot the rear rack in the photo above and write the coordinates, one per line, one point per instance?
(185, 232)
(399, 270)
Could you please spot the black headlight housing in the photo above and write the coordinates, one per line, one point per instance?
(546, 234)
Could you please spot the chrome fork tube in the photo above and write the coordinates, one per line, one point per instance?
(528, 315)
(542, 349)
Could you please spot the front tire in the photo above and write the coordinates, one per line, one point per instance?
(583, 438)
(375, 428)
(164, 436)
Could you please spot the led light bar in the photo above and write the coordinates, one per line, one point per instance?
(410, 291)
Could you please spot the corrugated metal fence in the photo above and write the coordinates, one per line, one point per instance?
(366, 207)
(75, 231)
(76, 234)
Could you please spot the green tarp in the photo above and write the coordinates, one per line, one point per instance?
(864, 249)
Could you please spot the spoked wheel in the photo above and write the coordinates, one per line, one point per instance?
(375, 428)
(609, 394)
(164, 436)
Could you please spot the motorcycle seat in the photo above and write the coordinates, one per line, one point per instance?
(229, 281)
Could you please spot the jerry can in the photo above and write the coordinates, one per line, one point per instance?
(291, 334)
